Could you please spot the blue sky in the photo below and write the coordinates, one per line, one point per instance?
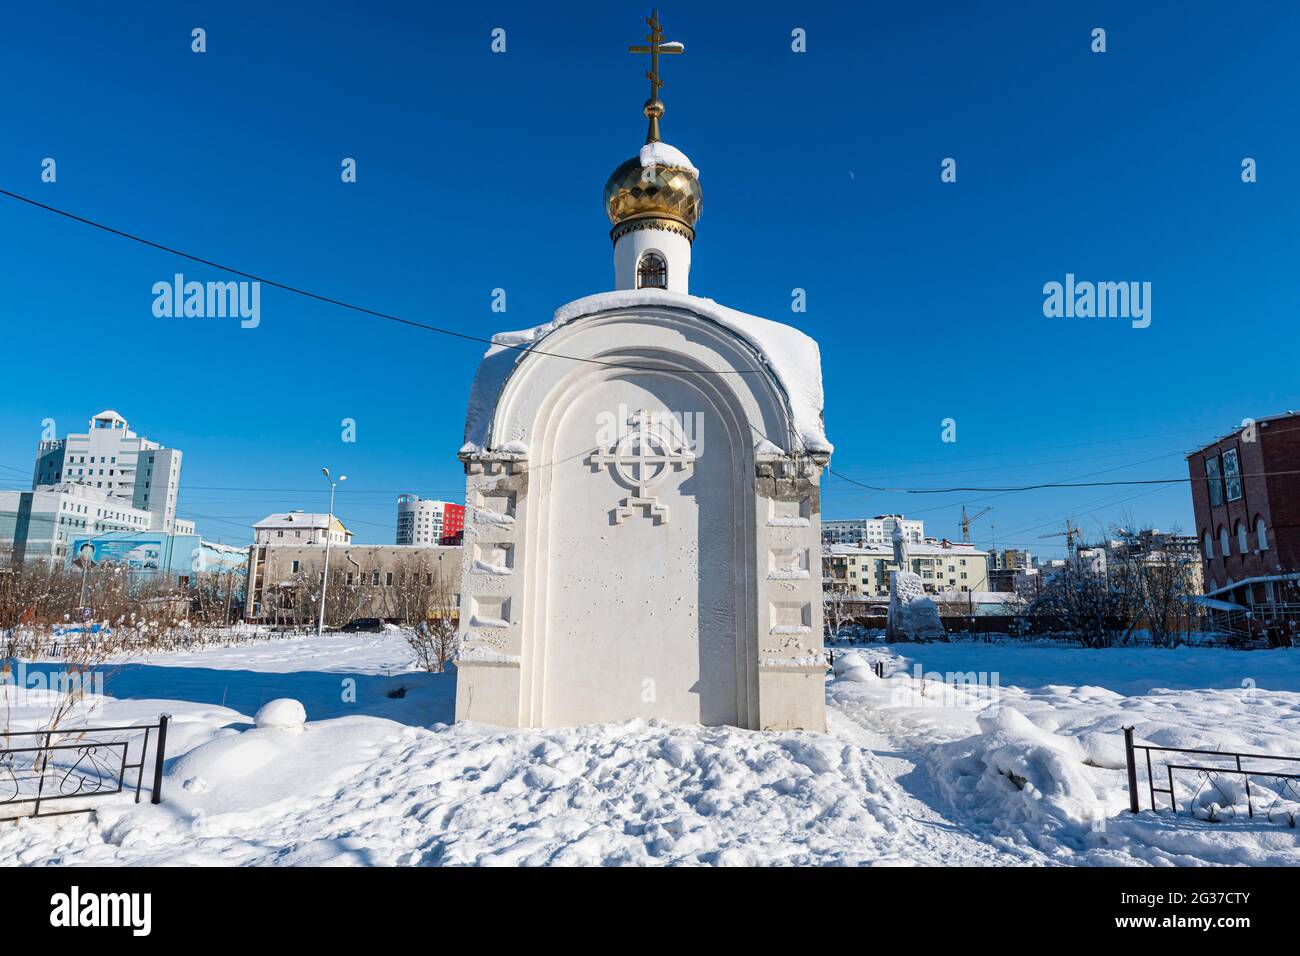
(820, 171)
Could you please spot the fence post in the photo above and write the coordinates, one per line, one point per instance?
(1132, 770)
(159, 756)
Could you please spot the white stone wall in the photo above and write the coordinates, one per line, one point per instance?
(788, 495)
(695, 598)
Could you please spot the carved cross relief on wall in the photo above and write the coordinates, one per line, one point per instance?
(641, 459)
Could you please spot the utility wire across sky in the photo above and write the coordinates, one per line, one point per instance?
(374, 313)
(995, 490)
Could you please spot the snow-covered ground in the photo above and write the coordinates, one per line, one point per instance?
(910, 772)
(1036, 766)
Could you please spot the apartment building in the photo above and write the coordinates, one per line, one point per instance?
(872, 531)
(300, 528)
(944, 567)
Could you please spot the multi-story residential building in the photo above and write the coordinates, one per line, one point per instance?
(872, 531)
(1153, 546)
(1007, 566)
(1017, 559)
(944, 566)
(426, 521)
(300, 528)
(39, 524)
(1092, 560)
(1246, 498)
(111, 458)
(1046, 567)
(366, 580)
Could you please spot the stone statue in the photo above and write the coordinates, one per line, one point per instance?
(900, 548)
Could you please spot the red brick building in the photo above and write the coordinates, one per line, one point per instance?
(1246, 497)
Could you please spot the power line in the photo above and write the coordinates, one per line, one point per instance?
(1023, 465)
(1090, 474)
(172, 250)
(956, 460)
(1008, 489)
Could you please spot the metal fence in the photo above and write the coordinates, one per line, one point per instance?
(40, 768)
(1210, 766)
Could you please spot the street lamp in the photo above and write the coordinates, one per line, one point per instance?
(329, 526)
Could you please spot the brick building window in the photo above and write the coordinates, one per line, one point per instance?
(1214, 481)
(1231, 474)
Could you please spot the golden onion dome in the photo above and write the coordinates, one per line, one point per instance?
(657, 183)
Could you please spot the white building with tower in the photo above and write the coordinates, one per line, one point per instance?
(115, 461)
(642, 531)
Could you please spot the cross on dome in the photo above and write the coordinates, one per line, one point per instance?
(655, 45)
(654, 198)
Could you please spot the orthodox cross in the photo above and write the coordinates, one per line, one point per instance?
(654, 107)
(641, 459)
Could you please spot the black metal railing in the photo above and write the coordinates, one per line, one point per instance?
(1220, 763)
(42, 767)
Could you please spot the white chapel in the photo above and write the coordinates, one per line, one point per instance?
(642, 529)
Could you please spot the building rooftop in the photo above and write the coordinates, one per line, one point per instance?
(1262, 423)
(928, 549)
(297, 519)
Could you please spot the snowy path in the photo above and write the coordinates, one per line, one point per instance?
(930, 839)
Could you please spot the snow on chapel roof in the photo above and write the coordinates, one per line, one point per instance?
(792, 356)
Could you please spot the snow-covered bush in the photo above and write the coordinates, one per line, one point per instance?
(852, 666)
(283, 713)
(1016, 776)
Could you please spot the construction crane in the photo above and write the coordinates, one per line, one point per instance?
(968, 520)
(1071, 532)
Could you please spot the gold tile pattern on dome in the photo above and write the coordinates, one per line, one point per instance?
(636, 190)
